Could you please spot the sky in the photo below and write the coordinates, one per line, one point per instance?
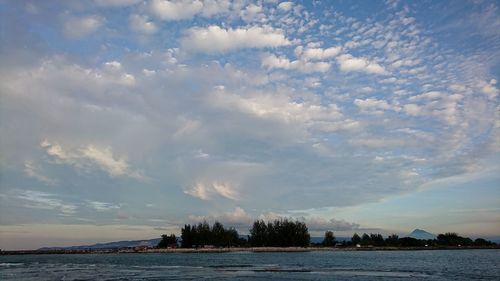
(126, 119)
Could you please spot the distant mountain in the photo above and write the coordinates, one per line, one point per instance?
(421, 234)
(110, 245)
(149, 242)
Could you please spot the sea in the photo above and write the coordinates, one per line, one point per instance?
(321, 265)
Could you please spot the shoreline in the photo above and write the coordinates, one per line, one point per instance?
(238, 249)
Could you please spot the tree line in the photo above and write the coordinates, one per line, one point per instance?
(287, 233)
(279, 233)
(202, 234)
(393, 240)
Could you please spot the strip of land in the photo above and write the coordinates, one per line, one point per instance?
(239, 249)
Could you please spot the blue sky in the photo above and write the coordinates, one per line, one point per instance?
(125, 119)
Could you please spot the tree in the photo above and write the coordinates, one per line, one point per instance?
(187, 236)
(218, 233)
(167, 241)
(258, 234)
(377, 239)
(202, 234)
(365, 239)
(279, 233)
(411, 242)
(329, 239)
(482, 242)
(356, 239)
(392, 240)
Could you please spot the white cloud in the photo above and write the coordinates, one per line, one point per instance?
(285, 6)
(273, 62)
(279, 107)
(101, 206)
(216, 39)
(116, 3)
(175, 10)
(236, 217)
(170, 10)
(214, 7)
(322, 224)
(141, 24)
(90, 156)
(148, 72)
(242, 220)
(319, 54)
(34, 171)
(412, 109)
(79, 27)
(489, 88)
(432, 95)
(112, 66)
(207, 191)
(374, 105)
(349, 63)
(46, 201)
(251, 12)
(105, 160)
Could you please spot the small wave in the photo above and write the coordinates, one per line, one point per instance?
(399, 274)
(262, 269)
(164, 266)
(8, 264)
(230, 265)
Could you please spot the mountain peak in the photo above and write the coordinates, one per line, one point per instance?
(421, 234)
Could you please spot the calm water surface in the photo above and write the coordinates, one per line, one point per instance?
(377, 265)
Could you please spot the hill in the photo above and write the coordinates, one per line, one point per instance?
(109, 245)
(421, 234)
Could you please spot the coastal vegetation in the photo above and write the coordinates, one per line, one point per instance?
(329, 239)
(168, 241)
(202, 235)
(279, 233)
(287, 233)
(449, 239)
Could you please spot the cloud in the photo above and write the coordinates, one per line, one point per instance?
(214, 7)
(141, 24)
(279, 107)
(171, 10)
(45, 201)
(105, 160)
(80, 27)
(90, 156)
(113, 106)
(432, 95)
(175, 10)
(237, 217)
(348, 63)
(101, 206)
(322, 224)
(285, 6)
(273, 62)
(116, 3)
(207, 191)
(319, 54)
(374, 105)
(34, 171)
(489, 88)
(251, 12)
(243, 221)
(216, 39)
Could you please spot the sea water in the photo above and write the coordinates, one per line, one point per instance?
(324, 265)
